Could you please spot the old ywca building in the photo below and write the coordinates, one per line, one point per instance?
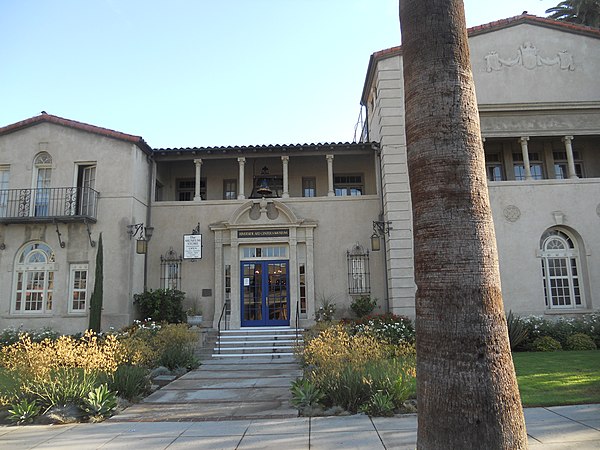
(259, 235)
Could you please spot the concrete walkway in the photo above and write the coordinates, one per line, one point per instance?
(223, 389)
(557, 428)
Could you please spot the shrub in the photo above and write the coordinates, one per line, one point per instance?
(545, 344)
(580, 341)
(162, 305)
(560, 329)
(389, 327)
(363, 306)
(517, 331)
(10, 336)
(175, 345)
(130, 382)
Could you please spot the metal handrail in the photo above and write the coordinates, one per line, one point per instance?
(297, 320)
(48, 203)
(219, 328)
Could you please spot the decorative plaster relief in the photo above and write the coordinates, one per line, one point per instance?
(512, 213)
(529, 57)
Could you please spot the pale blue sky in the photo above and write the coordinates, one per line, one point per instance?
(203, 73)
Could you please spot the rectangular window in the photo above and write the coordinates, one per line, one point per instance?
(186, 189)
(535, 165)
(229, 189)
(86, 183)
(493, 165)
(309, 187)
(348, 185)
(78, 288)
(4, 186)
(302, 288)
(34, 288)
(264, 252)
(561, 165)
(227, 289)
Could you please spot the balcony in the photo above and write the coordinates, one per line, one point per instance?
(64, 204)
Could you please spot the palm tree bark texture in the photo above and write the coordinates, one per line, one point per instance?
(466, 385)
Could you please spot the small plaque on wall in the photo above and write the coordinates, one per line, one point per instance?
(192, 246)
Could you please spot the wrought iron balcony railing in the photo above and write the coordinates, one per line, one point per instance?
(48, 204)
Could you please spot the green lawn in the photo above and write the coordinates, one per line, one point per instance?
(558, 378)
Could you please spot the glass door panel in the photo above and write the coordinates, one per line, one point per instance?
(277, 298)
(265, 298)
(252, 294)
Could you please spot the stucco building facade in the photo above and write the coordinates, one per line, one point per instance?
(260, 235)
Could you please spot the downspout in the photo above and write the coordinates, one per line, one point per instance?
(148, 216)
(381, 219)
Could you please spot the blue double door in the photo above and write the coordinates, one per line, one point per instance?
(265, 294)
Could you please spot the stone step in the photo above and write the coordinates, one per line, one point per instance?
(259, 341)
(250, 355)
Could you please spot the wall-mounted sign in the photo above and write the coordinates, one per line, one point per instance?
(273, 232)
(192, 246)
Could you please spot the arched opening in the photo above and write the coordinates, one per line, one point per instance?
(561, 270)
(34, 278)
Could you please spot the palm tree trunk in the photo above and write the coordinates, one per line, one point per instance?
(466, 386)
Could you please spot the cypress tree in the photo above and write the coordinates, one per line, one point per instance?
(96, 298)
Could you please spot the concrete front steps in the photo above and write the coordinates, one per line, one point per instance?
(260, 342)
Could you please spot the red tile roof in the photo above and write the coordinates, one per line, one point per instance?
(530, 18)
(45, 117)
(486, 28)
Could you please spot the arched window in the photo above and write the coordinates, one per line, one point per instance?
(34, 278)
(561, 271)
(42, 182)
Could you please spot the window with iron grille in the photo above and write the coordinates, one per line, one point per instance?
(358, 271)
(170, 270)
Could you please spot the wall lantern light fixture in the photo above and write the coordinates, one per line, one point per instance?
(143, 235)
(380, 229)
